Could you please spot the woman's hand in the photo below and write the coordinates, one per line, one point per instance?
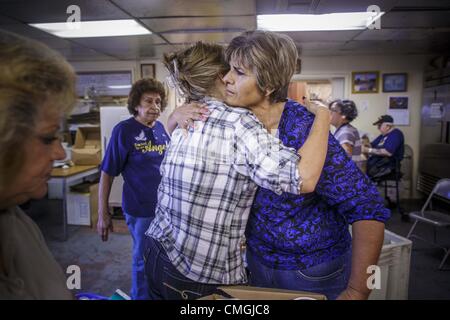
(314, 106)
(352, 294)
(104, 225)
(185, 115)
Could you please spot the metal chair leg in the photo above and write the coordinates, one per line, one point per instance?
(412, 229)
(447, 252)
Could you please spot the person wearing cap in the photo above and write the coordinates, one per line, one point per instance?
(386, 150)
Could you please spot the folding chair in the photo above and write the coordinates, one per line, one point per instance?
(435, 218)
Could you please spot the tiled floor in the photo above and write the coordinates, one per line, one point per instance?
(106, 266)
(426, 281)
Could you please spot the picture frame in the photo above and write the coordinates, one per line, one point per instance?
(148, 70)
(398, 109)
(395, 82)
(398, 103)
(365, 82)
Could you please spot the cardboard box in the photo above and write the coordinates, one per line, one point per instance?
(82, 207)
(87, 147)
(256, 293)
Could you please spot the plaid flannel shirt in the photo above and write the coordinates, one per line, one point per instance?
(209, 180)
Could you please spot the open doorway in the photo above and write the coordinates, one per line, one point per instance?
(323, 89)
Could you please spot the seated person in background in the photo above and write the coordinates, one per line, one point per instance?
(342, 113)
(386, 150)
(37, 89)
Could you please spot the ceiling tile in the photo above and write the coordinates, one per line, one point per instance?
(131, 47)
(422, 19)
(322, 36)
(6, 20)
(77, 53)
(238, 24)
(36, 11)
(387, 47)
(218, 37)
(321, 46)
(331, 6)
(182, 8)
(283, 7)
(413, 25)
(394, 34)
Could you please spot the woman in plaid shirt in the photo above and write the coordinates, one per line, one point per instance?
(302, 242)
(210, 177)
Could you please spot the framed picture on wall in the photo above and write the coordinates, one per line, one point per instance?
(398, 103)
(365, 82)
(395, 82)
(399, 110)
(148, 70)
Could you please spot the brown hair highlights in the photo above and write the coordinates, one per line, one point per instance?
(196, 68)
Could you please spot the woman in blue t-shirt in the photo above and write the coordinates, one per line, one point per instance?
(136, 149)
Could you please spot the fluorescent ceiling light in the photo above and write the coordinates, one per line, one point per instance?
(88, 29)
(317, 22)
(126, 86)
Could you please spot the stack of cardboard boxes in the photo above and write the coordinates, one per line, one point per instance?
(82, 200)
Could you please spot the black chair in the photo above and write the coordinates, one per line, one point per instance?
(394, 176)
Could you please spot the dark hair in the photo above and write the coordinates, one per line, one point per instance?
(347, 109)
(141, 87)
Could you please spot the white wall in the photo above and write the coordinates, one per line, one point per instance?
(371, 106)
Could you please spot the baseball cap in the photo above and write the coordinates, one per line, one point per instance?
(384, 119)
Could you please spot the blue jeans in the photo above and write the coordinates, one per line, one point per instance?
(137, 227)
(165, 282)
(329, 278)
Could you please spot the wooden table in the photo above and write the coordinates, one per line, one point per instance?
(66, 176)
